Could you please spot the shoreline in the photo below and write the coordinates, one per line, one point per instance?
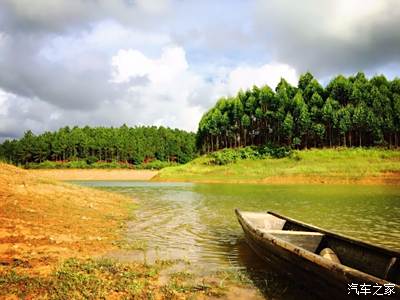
(390, 179)
(386, 178)
(94, 174)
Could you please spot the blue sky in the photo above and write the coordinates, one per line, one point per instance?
(165, 62)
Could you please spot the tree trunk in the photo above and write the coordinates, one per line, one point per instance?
(350, 143)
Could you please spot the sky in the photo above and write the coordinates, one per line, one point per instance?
(166, 62)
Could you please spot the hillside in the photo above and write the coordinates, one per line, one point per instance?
(341, 166)
(44, 221)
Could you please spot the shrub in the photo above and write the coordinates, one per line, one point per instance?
(110, 165)
(224, 157)
(76, 164)
(83, 164)
(275, 152)
(91, 160)
(249, 153)
(228, 156)
(155, 165)
(43, 165)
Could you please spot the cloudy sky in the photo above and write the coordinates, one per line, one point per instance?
(164, 62)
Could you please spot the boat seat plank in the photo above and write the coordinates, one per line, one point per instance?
(264, 221)
(295, 232)
(305, 239)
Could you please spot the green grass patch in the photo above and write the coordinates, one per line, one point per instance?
(101, 278)
(351, 163)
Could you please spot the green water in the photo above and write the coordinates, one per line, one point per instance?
(196, 222)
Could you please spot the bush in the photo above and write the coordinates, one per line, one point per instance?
(155, 165)
(228, 156)
(111, 165)
(91, 160)
(275, 152)
(43, 165)
(76, 164)
(249, 153)
(224, 157)
(83, 164)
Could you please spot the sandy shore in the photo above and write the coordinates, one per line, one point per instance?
(43, 221)
(383, 179)
(388, 178)
(94, 174)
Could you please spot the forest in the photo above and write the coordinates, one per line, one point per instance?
(349, 111)
(131, 145)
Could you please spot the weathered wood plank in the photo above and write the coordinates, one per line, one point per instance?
(307, 240)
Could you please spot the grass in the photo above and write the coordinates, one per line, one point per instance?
(83, 279)
(330, 165)
(105, 278)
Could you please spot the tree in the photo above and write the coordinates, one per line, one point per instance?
(344, 122)
(246, 124)
(288, 128)
(329, 117)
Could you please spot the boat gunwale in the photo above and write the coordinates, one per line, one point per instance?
(311, 257)
(382, 249)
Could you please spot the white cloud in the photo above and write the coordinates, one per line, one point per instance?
(169, 85)
(133, 63)
(175, 95)
(344, 19)
(162, 89)
(228, 82)
(244, 77)
(91, 49)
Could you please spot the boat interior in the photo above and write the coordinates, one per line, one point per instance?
(379, 262)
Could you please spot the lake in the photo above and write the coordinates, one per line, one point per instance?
(196, 222)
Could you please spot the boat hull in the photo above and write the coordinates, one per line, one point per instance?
(325, 280)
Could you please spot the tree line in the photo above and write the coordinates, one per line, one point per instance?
(349, 111)
(135, 145)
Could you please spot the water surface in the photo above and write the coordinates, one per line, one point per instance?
(196, 222)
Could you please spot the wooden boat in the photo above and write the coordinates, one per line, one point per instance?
(331, 264)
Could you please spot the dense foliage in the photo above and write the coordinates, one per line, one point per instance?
(352, 111)
(94, 146)
(229, 155)
(84, 164)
